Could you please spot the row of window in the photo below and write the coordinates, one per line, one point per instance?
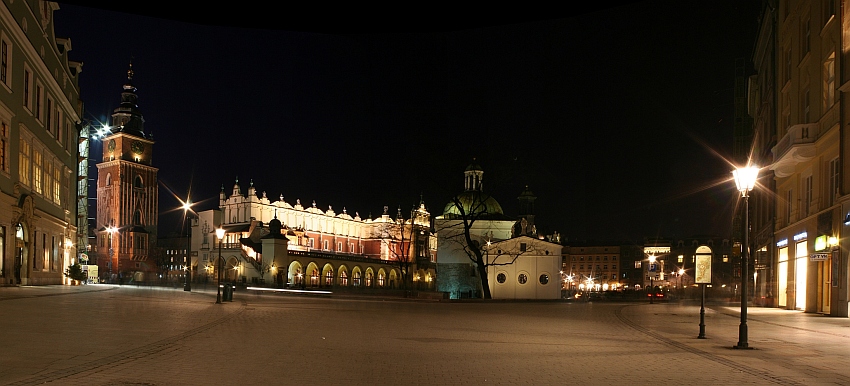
(40, 170)
(590, 258)
(604, 266)
(806, 203)
(522, 278)
(47, 250)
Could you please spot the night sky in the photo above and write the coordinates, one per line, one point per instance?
(618, 119)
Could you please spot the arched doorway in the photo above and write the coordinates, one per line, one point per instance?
(343, 276)
(312, 275)
(393, 279)
(295, 276)
(382, 278)
(355, 277)
(370, 278)
(328, 276)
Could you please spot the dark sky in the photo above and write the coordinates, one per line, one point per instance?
(618, 119)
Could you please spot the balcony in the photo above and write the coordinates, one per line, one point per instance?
(797, 146)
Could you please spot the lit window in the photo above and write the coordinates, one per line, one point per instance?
(24, 162)
(36, 171)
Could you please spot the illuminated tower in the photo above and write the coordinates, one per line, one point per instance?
(126, 193)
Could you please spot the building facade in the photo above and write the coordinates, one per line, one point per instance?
(593, 267)
(315, 248)
(762, 107)
(39, 112)
(810, 257)
(518, 262)
(524, 267)
(127, 195)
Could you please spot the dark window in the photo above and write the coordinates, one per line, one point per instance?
(4, 61)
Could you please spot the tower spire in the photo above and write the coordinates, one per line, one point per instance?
(127, 118)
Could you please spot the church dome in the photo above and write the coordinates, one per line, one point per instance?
(474, 202)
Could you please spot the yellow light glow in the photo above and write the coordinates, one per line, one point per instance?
(745, 178)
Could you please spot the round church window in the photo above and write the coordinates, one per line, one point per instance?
(522, 278)
(544, 279)
(501, 278)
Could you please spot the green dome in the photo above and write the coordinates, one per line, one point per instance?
(473, 201)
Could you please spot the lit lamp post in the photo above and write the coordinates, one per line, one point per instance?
(187, 285)
(681, 289)
(651, 271)
(219, 233)
(745, 180)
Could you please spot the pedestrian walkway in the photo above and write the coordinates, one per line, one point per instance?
(126, 335)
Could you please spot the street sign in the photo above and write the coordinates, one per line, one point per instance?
(702, 270)
(819, 257)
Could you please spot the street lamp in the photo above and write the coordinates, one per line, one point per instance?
(219, 233)
(681, 272)
(745, 180)
(187, 285)
(651, 270)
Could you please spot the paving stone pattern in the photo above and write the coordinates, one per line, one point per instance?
(121, 335)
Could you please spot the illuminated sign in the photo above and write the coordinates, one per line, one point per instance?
(800, 236)
(820, 243)
(702, 269)
(819, 257)
(656, 250)
(782, 243)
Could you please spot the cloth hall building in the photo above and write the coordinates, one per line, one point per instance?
(281, 244)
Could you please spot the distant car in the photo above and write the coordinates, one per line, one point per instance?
(657, 295)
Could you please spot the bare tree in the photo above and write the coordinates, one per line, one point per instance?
(459, 228)
(400, 237)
